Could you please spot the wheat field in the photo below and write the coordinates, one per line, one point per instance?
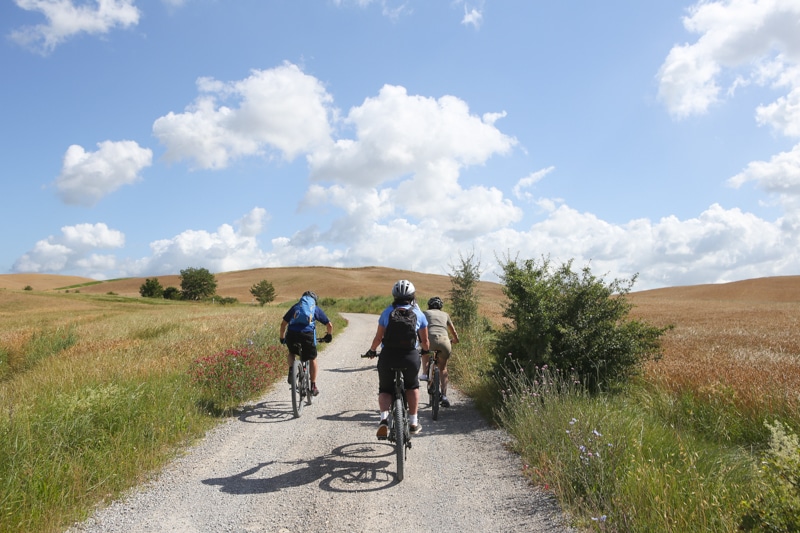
(740, 337)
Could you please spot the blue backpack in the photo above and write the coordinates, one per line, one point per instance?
(304, 312)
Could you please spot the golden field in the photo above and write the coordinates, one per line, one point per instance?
(742, 337)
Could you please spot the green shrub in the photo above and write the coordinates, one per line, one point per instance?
(573, 321)
(151, 288)
(172, 293)
(777, 507)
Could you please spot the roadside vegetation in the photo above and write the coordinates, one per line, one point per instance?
(628, 436)
(632, 419)
(98, 392)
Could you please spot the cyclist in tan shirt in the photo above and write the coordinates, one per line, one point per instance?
(441, 332)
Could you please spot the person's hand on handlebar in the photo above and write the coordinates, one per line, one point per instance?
(372, 354)
(327, 338)
(283, 340)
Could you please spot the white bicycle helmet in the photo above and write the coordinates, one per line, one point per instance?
(403, 290)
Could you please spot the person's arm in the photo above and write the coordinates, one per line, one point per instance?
(452, 328)
(453, 334)
(282, 334)
(321, 317)
(376, 341)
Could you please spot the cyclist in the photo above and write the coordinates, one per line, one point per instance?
(440, 331)
(392, 357)
(303, 333)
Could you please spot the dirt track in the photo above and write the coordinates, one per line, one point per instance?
(266, 471)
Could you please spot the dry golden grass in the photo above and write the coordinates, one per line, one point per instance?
(289, 283)
(736, 340)
(741, 335)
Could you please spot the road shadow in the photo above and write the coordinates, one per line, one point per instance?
(267, 412)
(356, 467)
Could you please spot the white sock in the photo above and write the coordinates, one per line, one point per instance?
(384, 415)
(412, 419)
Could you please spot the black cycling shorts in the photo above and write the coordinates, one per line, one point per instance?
(408, 361)
(305, 339)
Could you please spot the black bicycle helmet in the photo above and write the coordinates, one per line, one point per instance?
(312, 294)
(403, 290)
(435, 303)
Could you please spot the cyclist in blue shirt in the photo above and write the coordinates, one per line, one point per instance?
(390, 357)
(296, 336)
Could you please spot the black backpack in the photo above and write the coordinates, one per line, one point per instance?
(401, 331)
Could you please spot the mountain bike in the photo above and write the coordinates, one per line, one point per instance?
(300, 381)
(399, 430)
(434, 383)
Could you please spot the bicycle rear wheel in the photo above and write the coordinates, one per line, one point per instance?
(297, 390)
(399, 437)
(435, 393)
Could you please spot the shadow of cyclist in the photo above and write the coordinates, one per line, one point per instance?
(358, 467)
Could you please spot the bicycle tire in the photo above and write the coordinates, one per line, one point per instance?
(297, 390)
(400, 437)
(436, 393)
(307, 384)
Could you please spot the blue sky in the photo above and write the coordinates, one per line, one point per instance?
(142, 137)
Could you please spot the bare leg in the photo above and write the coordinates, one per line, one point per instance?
(384, 402)
(312, 365)
(443, 371)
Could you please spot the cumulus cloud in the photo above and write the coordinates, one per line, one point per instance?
(279, 109)
(224, 250)
(66, 19)
(742, 34)
(399, 134)
(74, 252)
(87, 177)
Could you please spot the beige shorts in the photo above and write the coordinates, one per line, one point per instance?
(442, 344)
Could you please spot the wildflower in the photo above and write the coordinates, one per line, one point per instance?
(597, 433)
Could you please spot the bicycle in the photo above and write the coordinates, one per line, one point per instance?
(399, 430)
(300, 381)
(434, 383)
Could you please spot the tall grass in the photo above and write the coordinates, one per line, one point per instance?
(100, 395)
(616, 465)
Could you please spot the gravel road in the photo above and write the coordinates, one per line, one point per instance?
(266, 471)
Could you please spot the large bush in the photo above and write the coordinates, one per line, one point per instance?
(151, 288)
(197, 283)
(573, 321)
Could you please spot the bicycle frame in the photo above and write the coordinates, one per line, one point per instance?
(301, 382)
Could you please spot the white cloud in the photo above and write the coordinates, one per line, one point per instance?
(783, 114)
(87, 177)
(399, 134)
(73, 252)
(733, 34)
(224, 250)
(528, 182)
(66, 19)
(472, 17)
(278, 109)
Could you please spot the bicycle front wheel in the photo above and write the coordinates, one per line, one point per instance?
(307, 384)
(297, 390)
(436, 393)
(399, 437)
